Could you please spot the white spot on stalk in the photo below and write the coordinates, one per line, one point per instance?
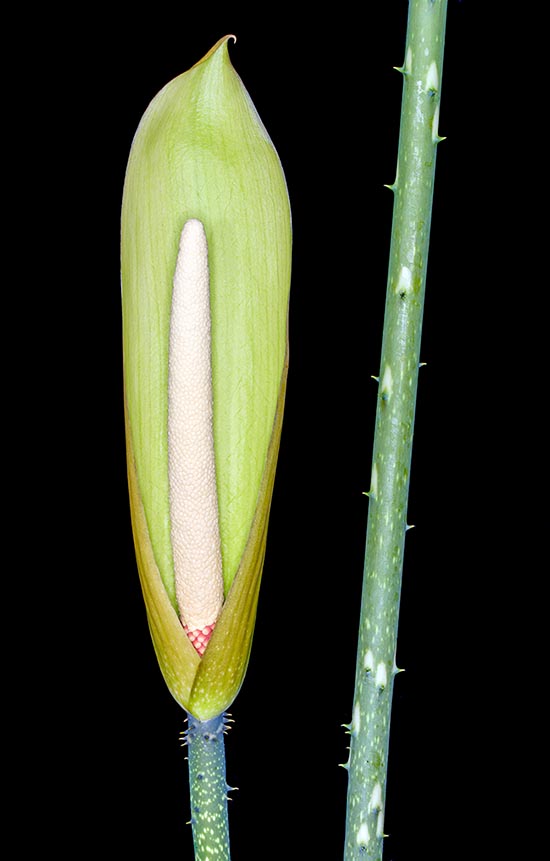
(356, 722)
(386, 387)
(380, 824)
(381, 675)
(375, 802)
(374, 482)
(194, 515)
(435, 126)
(404, 282)
(409, 60)
(363, 835)
(432, 78)
(368, 663)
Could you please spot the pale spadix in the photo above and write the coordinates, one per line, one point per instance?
(193, 495)
(201, 159)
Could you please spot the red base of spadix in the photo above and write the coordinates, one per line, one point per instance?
(200, 637)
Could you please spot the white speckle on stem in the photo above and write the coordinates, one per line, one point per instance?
(356, 722)
(386, 387)
(381, 678)
(368, 663)
(363, 835)
(375, 802)
(435, 125)
(432, 78)
(374, 482)
(194, 517)
(404, 282)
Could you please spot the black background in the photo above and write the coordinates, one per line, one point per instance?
(324, 86)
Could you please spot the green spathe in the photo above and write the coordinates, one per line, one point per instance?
(202, 152)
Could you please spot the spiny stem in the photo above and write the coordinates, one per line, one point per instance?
(375, 671)
(209, 816)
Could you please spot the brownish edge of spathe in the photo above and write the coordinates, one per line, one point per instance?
(223, 666)
(177, 658)
(214, 48)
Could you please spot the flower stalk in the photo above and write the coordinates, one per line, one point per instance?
(209, 815)
(392, 449)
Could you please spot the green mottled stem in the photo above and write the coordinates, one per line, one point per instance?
(413, 188)
(205, 740)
